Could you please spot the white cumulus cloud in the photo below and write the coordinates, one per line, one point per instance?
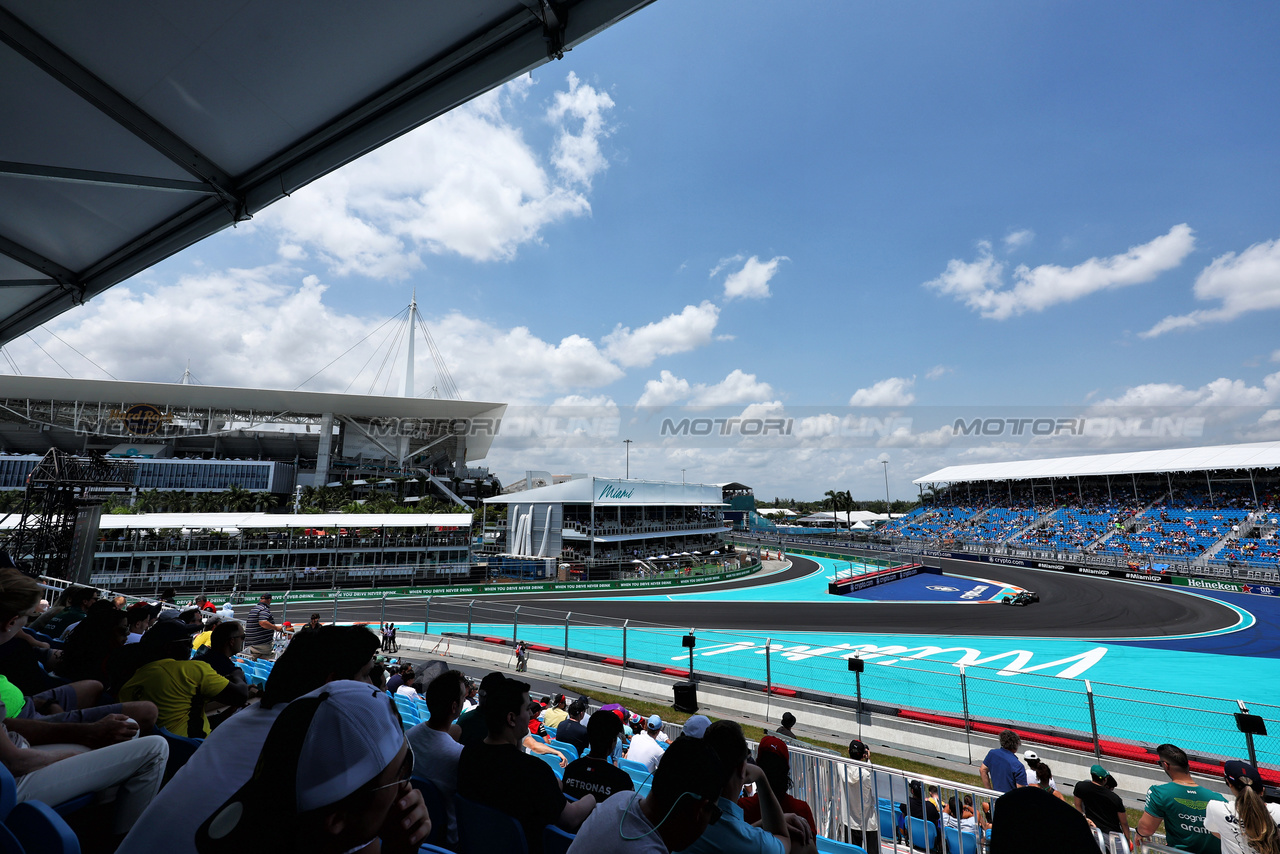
(1219, 392)
(939, 371)
(270, 327)
(1242, 283)
(676, 333)
(980, 284)
(752, 280)
(1016, 239)
(894, 391)
(467, 183)
(738, 387)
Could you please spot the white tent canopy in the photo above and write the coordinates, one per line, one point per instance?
(1257, 455)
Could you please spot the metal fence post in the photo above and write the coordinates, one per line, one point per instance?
(1093, 720)
(964, 700)
(335, 605)
(515, 624)
(624, 643)
(284, 615)
(471, 605)
(768, 668)
(382, 614)
(566, 633)
(426, 618)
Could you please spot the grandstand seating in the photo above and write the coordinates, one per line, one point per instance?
(995, 526)
(1185, 532)
(1069, 529)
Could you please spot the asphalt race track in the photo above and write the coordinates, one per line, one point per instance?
(1071, 606)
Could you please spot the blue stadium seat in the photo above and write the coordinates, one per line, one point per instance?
(552, 760)
(922, 833)
(39, 829)
(959, 843)
(181, 749)
(437, 808)
(484, 830)
(831, 846)
(570, 752)
(555, 840)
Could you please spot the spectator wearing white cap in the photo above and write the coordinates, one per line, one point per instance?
(227, 759)
(1033, 762)
(332, 778)
(644, 744)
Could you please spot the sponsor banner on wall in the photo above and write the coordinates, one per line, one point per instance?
(1258, 587)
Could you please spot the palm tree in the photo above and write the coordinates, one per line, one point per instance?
(237, 499)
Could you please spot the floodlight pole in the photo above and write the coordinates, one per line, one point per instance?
(888, 514)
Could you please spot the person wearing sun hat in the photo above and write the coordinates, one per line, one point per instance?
(1247, 826)
(696, 726)
(332, 778)
(1099, 804)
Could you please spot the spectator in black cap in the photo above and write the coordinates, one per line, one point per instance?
(788, 721)
(142, 616)
(1247, 826)
(178, 685)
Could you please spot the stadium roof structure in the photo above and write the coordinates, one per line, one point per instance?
(133, 130)
(59, 408)
(1257, 455)
(222, 521)
(617, 492)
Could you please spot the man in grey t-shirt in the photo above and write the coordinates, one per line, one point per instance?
(435, 750)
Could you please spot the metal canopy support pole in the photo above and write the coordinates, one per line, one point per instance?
(968, 727)
(1093, 720)
(1210, 483)
(1254, 487)
(1135, 486)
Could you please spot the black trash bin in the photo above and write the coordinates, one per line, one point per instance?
(686, 697)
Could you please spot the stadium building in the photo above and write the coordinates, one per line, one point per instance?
(207, 438)
(607, 524)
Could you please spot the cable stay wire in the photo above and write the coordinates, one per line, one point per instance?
(374, 353)
(445, 378)
(82, 355)
(345, 352)
(11, 362)
(50, 355)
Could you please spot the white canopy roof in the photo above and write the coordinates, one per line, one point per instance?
(173, 521)
(1263, 455)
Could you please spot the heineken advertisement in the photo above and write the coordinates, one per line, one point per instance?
(1258, 587)
(502, 589)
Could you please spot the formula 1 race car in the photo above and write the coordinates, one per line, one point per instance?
(1026, 597)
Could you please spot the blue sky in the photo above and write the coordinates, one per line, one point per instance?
(922, 207)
